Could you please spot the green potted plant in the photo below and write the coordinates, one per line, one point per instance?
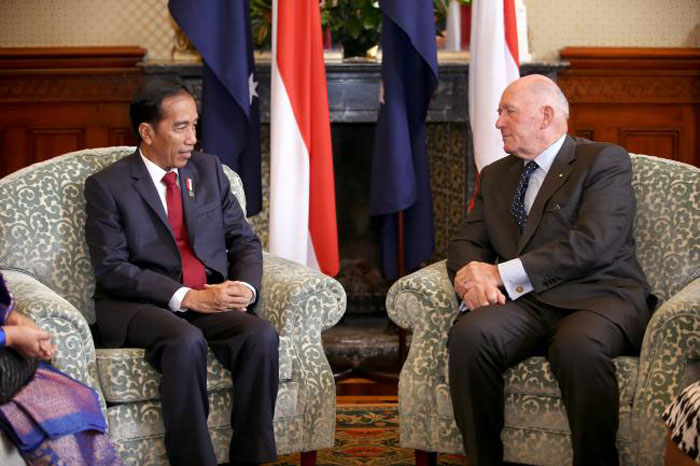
(355, 24)
(261, 23)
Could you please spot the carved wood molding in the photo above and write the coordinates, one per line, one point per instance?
(35, 58)
(631, 75)
(66, 88)
(630, 89)
(639, 58)
(69, 74)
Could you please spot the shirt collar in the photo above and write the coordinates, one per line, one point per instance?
(154, 170)
(546, 158)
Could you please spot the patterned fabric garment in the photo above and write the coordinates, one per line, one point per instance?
(55, 420)
(683, 419)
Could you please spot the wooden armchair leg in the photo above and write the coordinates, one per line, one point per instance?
(307, 458)
(426, 458)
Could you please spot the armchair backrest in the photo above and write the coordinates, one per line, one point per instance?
(667, 225)
(42, 221)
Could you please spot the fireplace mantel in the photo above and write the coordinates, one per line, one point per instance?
(353, 88)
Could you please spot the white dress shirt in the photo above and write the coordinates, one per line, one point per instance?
(157, 175)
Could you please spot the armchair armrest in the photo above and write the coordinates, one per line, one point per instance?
(671, 339)
(300, 303)
(75, 352)
(297, 299)
(425, 303)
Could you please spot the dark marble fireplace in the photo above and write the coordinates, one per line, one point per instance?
(365, 339)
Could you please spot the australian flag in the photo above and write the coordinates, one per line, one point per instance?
(220, 29)
(400, 176)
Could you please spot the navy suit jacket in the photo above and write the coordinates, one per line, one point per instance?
(132, 247)
(577, 247)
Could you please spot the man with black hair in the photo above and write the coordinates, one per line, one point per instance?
(178, 269)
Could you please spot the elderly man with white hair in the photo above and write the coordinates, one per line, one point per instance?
(545, 264)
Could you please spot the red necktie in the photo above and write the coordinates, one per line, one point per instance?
(193, 274)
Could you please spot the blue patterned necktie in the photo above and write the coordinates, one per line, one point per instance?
(518, 206)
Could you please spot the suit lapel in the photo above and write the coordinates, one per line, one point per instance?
(556, 176)
(189, 205)
(143, 184)
(511, 177)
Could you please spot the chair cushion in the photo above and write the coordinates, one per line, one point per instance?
(533, 398)
(143, 419)
(126, 376)
(534, 377)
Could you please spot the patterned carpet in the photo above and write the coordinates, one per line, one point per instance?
(367, 435)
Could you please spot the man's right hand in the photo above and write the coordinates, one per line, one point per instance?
(221, 297)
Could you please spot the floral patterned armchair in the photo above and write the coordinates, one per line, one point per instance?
(44, 258)
(667, 232)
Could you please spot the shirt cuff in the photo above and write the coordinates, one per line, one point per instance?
(3, 339)
(252, 288)
(175, 302)
(515, 279)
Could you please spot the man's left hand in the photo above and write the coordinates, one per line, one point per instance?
(480, 295)
(243, 294)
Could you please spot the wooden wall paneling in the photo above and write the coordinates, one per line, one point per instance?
(57, 100)
(648, 140)
(54, 140)
(647, 100)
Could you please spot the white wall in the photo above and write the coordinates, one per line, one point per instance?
(555, 24)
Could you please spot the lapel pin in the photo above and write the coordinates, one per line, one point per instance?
(560, 175)
(190, 186)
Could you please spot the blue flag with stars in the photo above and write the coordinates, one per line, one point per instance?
(220, 29)
(400, 179)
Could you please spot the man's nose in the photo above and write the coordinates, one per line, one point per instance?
(499, 123)
(191, 136)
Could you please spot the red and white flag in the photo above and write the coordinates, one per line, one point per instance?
(302, 191)
(493, 64)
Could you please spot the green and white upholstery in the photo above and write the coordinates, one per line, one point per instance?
(667, 233)
(44, 258)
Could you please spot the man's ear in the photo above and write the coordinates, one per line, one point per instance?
(547, 116)
(146, 132)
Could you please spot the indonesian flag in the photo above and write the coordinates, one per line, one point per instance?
(302, 192)
(493, 65)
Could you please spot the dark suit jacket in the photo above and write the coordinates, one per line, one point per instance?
(577, 247)
(133, 250)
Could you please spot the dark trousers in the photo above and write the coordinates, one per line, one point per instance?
(580, 346)
(176, 346)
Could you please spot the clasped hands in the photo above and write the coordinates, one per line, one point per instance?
(22, 334)
(226, 296)
(478, 283)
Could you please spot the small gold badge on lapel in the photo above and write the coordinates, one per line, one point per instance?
(190, 187)
(560, 175)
